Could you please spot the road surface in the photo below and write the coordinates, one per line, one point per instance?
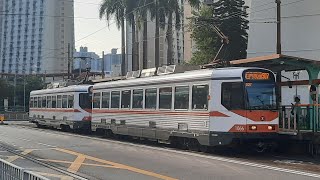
(95, 158)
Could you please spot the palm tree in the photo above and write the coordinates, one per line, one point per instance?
(162, 10)
(131, 12)
(143, 14)
(115, 9)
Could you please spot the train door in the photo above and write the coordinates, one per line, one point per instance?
(233, 99)
(219, 115)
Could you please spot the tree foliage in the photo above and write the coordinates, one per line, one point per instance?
(7, 89)
(204, 36)
(231, 18)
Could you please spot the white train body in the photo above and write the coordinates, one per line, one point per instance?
(67, 107)
(215, 107)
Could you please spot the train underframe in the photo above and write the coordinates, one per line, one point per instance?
(193, 140)
(79, 126)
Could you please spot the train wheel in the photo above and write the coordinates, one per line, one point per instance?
(65, 128)
(39, 125)
(108, 134)
(204, 149)
(260, 147)
(193, 145)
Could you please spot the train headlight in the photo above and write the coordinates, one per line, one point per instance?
(271, 128)
(253, 128)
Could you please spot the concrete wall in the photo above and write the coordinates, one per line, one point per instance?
(300, 36)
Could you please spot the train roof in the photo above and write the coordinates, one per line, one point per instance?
(75, 88)
(200, 75)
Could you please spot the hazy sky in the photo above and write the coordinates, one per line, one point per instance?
(103, 40)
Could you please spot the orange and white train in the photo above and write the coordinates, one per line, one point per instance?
(211, 107)
(64, 108)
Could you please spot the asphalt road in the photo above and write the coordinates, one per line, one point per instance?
(104, 159)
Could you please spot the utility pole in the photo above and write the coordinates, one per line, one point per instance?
(157, 39)
(24, 91)
(123, 50)
(14, 90)
(279, 76)
(69, 65)
(102, 63)
(278, 26)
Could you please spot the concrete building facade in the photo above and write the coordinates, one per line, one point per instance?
(83, 59)
(36, 38)
(300, 37)
(112, 63)
(177, 47)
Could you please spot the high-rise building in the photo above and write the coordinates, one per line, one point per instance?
(112, 63)
(177, 46)
(35, 36)
(84, 59)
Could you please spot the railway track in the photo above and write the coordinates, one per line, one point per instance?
(34, 159)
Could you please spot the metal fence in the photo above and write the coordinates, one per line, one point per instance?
(16, 116)
(10, 171)
(295, 119)
(13, 109)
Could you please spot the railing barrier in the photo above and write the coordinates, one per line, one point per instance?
(295, 118)
(9, 171)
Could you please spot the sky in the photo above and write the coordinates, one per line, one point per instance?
(104, 40)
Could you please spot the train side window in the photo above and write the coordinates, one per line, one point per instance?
(165, 98)
(181, 100)
(59, 101)
(44, 103)
(39, 102)
(115, 99)
(125, 99)
(35, 102)
(105, 100)
(200, 97)
(54, 101)
(31, 102)
(64, 101)
(137, 99)
(96, 100)
(70, 101)
(151, 99)
(49, 102)
(232, 95)
(85, 100)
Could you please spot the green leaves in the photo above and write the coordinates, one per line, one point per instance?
(230, 17)
(7, 89)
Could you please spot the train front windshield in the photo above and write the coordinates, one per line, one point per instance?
(261, 96)
(260, 88)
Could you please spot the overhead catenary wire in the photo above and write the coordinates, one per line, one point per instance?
(231, 15)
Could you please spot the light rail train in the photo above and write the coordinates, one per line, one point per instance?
(65, 108)
(202, 108)
(215, 107)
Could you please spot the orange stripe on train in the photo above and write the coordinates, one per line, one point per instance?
(258, 115)
(55, 110)
(261, 128)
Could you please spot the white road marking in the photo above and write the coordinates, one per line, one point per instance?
(47, 145)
